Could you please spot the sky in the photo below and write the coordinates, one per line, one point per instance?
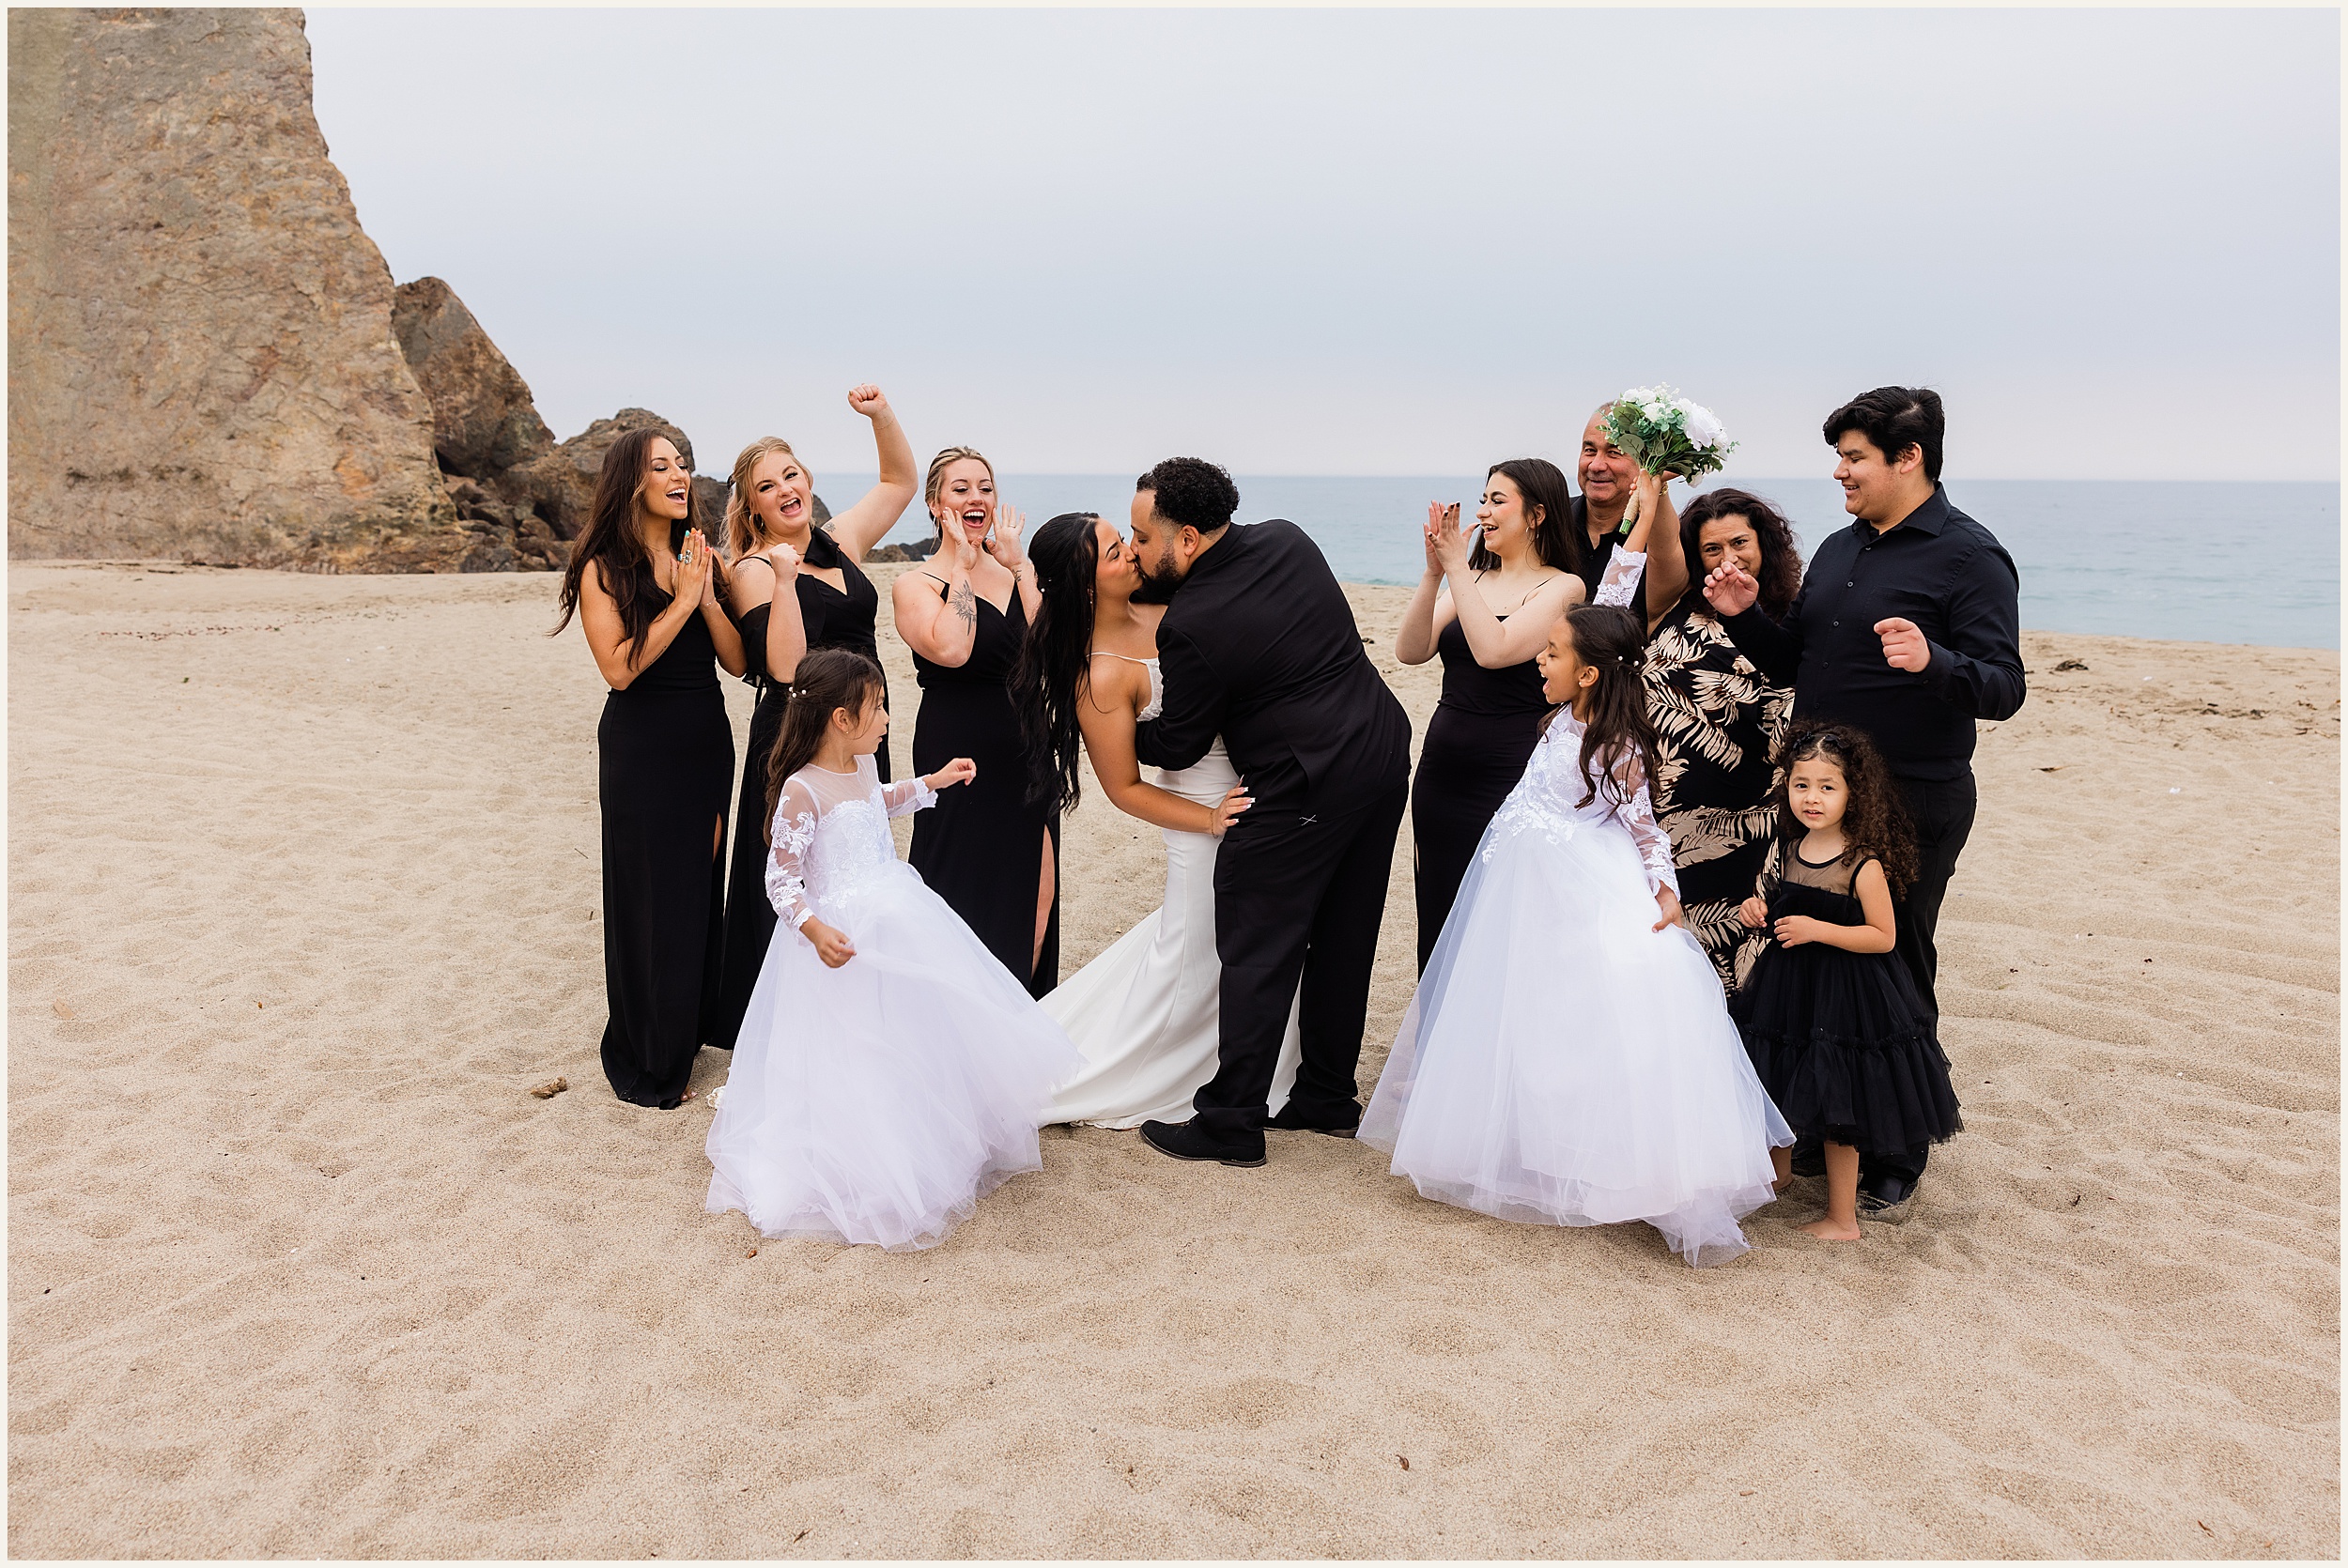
(1377, 243)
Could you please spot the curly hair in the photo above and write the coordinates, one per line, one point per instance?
(1191, 492)
(1054, 657)
(1875, 824)
(1781, 554)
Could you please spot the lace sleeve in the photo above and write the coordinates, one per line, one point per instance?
(795, 830)
(907, 795)
(1621, 582)
(1637, 815)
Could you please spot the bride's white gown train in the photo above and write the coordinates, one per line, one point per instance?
(1145, 1013)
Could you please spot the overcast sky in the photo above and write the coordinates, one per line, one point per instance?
(1377, 242)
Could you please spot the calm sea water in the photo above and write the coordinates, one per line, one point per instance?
(2203, 562)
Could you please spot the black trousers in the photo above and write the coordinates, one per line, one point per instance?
(1297, 899)
(1944, 817)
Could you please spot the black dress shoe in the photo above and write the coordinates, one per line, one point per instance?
(1290, 1120)
(1189, 1140)
(1886, 1199)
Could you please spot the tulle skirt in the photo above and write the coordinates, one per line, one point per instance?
(1563, 1063)
(877, 1102)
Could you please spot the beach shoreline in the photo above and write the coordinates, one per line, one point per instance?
(303, 898)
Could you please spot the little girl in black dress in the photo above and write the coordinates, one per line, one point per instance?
(1829, 1016)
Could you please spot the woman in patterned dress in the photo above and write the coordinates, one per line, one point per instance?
(1717, 722)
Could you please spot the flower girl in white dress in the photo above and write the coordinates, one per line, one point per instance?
(1568, 1058)
(889, 1071)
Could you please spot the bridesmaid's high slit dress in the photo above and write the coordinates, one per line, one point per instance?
(664, 757)
(1485, 725)
(981, 848)
(834, 618)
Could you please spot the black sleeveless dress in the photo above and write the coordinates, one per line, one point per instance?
(833, 618)
(664, 757)
(980, 847)
(1840, 1039)
(1485, 725)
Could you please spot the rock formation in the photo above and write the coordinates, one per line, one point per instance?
(201, 362)
(482, 420)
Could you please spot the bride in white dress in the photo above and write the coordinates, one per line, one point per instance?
(1144, 1013)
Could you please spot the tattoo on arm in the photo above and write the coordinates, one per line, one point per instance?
(964, 604)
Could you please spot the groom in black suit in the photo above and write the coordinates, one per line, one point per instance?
(1258, 646)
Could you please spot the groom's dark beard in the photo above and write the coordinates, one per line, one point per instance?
(1158, 587)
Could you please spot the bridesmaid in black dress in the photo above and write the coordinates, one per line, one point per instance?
(985, 849)
(1485, 611)
(793, 587)
(644, 583)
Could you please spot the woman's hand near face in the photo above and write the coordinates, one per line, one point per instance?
(690, 584)
(1003, 543)
(1729, 590)
(785, 562)
(1447, 542)
(956, 550)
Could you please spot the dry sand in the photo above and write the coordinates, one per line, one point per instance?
(303, 898)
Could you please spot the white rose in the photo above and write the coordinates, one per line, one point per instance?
(1656, 413)
(1703, 430)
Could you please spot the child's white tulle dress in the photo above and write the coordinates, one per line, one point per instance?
(1563, 1062)
(876, 1102)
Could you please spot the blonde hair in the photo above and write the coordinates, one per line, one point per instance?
(741, 522)
(937, 478)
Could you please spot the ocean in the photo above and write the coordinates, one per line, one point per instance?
(2256, 563)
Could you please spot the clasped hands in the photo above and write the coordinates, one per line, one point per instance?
(1791, 931)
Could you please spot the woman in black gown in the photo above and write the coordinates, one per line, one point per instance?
(644, 584)
(1717, 723)
(1485, 611)
(793, 587)
(985, 849)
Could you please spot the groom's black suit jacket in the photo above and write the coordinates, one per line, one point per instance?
(1259, 646)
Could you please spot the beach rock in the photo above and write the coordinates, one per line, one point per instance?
(918, 550)
(560, 485)
(201, 358)
(483, 418)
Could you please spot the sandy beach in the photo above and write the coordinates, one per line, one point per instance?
(303, 898)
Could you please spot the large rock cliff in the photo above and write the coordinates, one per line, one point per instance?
(201, 361)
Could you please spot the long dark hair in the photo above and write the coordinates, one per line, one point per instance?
(1612, 640)
(1556, 540)
(1780, 555)
(612, 543)
(1875, 824)
(828, 680)
(1054, 659)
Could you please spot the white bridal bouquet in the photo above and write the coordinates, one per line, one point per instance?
(1665, 432)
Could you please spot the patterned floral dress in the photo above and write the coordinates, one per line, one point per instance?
(1717, 723)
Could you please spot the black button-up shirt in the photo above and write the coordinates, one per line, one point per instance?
(1938, 568)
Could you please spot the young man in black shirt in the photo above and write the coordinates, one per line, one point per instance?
(1907, 627)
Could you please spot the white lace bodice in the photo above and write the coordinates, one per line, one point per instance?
(833, 840)
(1548, 801)
(1157, 695)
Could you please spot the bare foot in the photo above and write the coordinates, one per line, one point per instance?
(1828, 1230)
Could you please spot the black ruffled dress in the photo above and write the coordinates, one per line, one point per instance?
(1840, 1039)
